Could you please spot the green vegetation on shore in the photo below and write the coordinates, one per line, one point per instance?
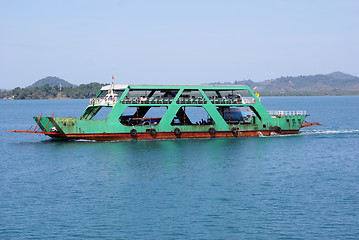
(51, 92)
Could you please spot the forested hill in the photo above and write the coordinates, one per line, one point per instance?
(51, 88)
(51, 92)
(336, 83)
(52, 81)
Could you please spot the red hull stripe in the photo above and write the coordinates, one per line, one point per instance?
(164, 135)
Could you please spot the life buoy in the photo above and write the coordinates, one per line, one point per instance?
(234, 131)
(133, 132)
(211, 130)
(153, 132)
(177, 131)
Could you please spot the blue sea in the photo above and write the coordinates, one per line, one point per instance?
(303, 186)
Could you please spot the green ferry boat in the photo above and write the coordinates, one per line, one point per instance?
(171, 112)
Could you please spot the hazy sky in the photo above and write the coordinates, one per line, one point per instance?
(175, 42)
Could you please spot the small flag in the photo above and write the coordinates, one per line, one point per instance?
(257, 95)
(113, 77)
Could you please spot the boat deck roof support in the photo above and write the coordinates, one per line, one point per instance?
(188, 87)
(257, 107)
(175, 87)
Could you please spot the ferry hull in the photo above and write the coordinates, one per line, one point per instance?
(168, 135)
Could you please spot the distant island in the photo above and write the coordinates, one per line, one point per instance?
(53, 88)
(333, 84)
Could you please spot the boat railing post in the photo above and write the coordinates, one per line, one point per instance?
(184, 115)
(229, 115)
(137, 115)
(38, 122)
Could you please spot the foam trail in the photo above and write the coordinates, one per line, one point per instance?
(83, 140)
(260, 134)
(342, 131)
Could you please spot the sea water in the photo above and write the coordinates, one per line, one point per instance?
(303, 186)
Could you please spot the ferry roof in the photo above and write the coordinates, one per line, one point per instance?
(148, 87)
(115, 87)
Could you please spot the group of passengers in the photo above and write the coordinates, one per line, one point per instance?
(231, 97)
(204, 122)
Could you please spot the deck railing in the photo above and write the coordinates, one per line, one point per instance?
(286, 113)
(248, 100)
(193, 100)
(154, 100)
(103, 101)
(226, 101)
(182, 100)
(229, 100)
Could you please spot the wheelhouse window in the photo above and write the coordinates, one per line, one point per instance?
(115, 93)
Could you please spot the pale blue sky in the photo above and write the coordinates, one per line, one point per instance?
(175, 42)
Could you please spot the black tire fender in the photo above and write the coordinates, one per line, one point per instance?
(177, 131)
(133, 132)
(234, 130)
(153, 132)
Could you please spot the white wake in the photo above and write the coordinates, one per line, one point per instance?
(341, 131)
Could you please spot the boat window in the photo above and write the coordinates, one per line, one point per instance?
(101, 113)
(116, 93)
(142, 116)
(190, 96)
(238, 115)
(188, 115)
(235, 96)
(227, 93)
(149, 96)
